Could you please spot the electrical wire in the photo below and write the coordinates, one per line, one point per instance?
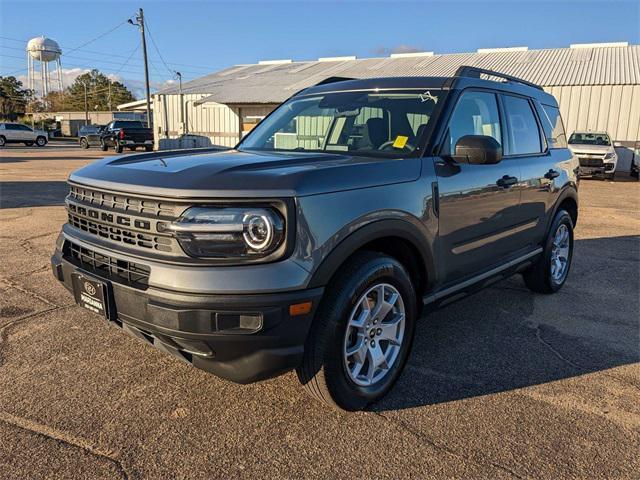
(155, 45)
(97, 38)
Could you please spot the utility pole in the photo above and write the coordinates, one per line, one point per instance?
(179, 75)
(140, 23)
(86, 105)
(109, 82)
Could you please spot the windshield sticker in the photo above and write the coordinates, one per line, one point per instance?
(426, 96)
(400, 141)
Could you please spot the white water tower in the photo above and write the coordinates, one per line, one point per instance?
(45, 51)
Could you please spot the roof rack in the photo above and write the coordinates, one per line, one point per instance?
(475, 72)
(332, 80)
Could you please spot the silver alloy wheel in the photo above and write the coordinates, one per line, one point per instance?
(560, 253)
(41, 141)
(374, 334)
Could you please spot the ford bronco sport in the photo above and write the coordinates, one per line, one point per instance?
(315, 243)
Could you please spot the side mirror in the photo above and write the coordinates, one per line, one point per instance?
(479, 149)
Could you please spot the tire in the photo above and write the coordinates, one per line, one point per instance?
(148, 148)
(28, 144)
(133, 149)
(41, 141)
(103, 146)
(542, 277)
(325, 368)
(3, 141)
(118, 148)
(83, 143)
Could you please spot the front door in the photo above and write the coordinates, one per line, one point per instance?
(477, 203)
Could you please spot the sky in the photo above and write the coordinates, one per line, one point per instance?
(200, 37)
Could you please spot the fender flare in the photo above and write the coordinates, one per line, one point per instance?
(569, 191)
(368, 233)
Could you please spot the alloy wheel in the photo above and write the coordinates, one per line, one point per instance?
(560, 253)
(374, 334)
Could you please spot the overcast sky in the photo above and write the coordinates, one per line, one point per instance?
(199, 37)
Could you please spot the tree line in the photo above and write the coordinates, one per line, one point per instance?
(103, 94)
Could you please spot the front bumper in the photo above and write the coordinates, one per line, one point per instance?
(240, 337)
(604, 169)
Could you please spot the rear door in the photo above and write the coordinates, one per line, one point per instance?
(527, 145)
(477, 203)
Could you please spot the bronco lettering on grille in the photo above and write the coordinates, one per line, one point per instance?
(122, 220)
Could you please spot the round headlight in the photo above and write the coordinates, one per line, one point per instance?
(258, 231)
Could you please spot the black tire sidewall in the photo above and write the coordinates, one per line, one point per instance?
(3, 141)
(562, 217)
(344, 391)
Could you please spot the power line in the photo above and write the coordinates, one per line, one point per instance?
(200, 67)
(98, 37)
(155, 45)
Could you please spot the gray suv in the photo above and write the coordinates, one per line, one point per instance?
(317, 241)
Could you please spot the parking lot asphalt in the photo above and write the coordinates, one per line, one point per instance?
(502, 384)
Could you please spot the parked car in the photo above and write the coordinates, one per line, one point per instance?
(596, 154)
(635, 162)
(130, 134)
(315, 243)
(19, 133)
(89, 135)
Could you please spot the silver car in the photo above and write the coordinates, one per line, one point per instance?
(595, 152)
(19, 133)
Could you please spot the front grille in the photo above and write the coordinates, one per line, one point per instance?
(121, 235)
(590, 162)
(120, 271)
(125, 220)
(125, 203)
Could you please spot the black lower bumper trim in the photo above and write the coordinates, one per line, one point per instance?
(242, 338)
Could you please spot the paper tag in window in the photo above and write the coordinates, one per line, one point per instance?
(400, 141)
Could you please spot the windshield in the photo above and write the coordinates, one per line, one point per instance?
(590, 139)
(356, 123)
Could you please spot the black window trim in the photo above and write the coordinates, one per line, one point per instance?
(541, 133)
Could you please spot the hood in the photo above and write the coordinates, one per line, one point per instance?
(233, 173)
(591, 149)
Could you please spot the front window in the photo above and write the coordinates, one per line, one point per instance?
(357, 123)
(590, 139)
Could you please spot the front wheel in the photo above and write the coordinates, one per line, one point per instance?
(118, 148)
(103, 146)
(3, 141)
(84, 143)
(362, 333)
(41, 141)
(550, 273)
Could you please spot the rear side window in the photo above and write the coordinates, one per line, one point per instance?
(553, 126)
(524, 136)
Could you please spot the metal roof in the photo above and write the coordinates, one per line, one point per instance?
(266, 82)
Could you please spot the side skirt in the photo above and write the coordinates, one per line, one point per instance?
(478, 282)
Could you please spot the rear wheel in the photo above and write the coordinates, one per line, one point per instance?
(83, 143)
(41, 141)
(549, 274)
(103, 146)
(118, 148)
(3, 141)
(148, 148)
(133, 149)
(362, 333)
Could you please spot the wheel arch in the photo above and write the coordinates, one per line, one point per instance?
(397, 238)
(567, 200)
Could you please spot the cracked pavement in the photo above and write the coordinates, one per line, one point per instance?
(503, 384)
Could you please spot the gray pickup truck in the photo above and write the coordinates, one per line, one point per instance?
(316, 242)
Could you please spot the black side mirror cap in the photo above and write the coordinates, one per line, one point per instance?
(479, 149)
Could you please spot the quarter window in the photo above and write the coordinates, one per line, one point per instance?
(475, 114)
(524, 136)
(556, 136)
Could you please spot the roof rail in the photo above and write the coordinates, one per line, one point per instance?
(332, 80)
(475, 72)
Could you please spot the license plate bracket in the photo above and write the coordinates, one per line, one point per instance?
(93, 294)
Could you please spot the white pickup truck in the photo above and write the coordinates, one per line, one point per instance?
(19, 133)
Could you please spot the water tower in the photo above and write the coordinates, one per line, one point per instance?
(45, 51)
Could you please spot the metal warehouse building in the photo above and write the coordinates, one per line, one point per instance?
(596, 85)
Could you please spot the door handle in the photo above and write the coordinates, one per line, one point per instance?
(507, 181)
(551, 174)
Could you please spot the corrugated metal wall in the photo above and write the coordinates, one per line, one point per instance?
(611, 108)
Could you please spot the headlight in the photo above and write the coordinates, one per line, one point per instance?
(610, 156)
(229, 232)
